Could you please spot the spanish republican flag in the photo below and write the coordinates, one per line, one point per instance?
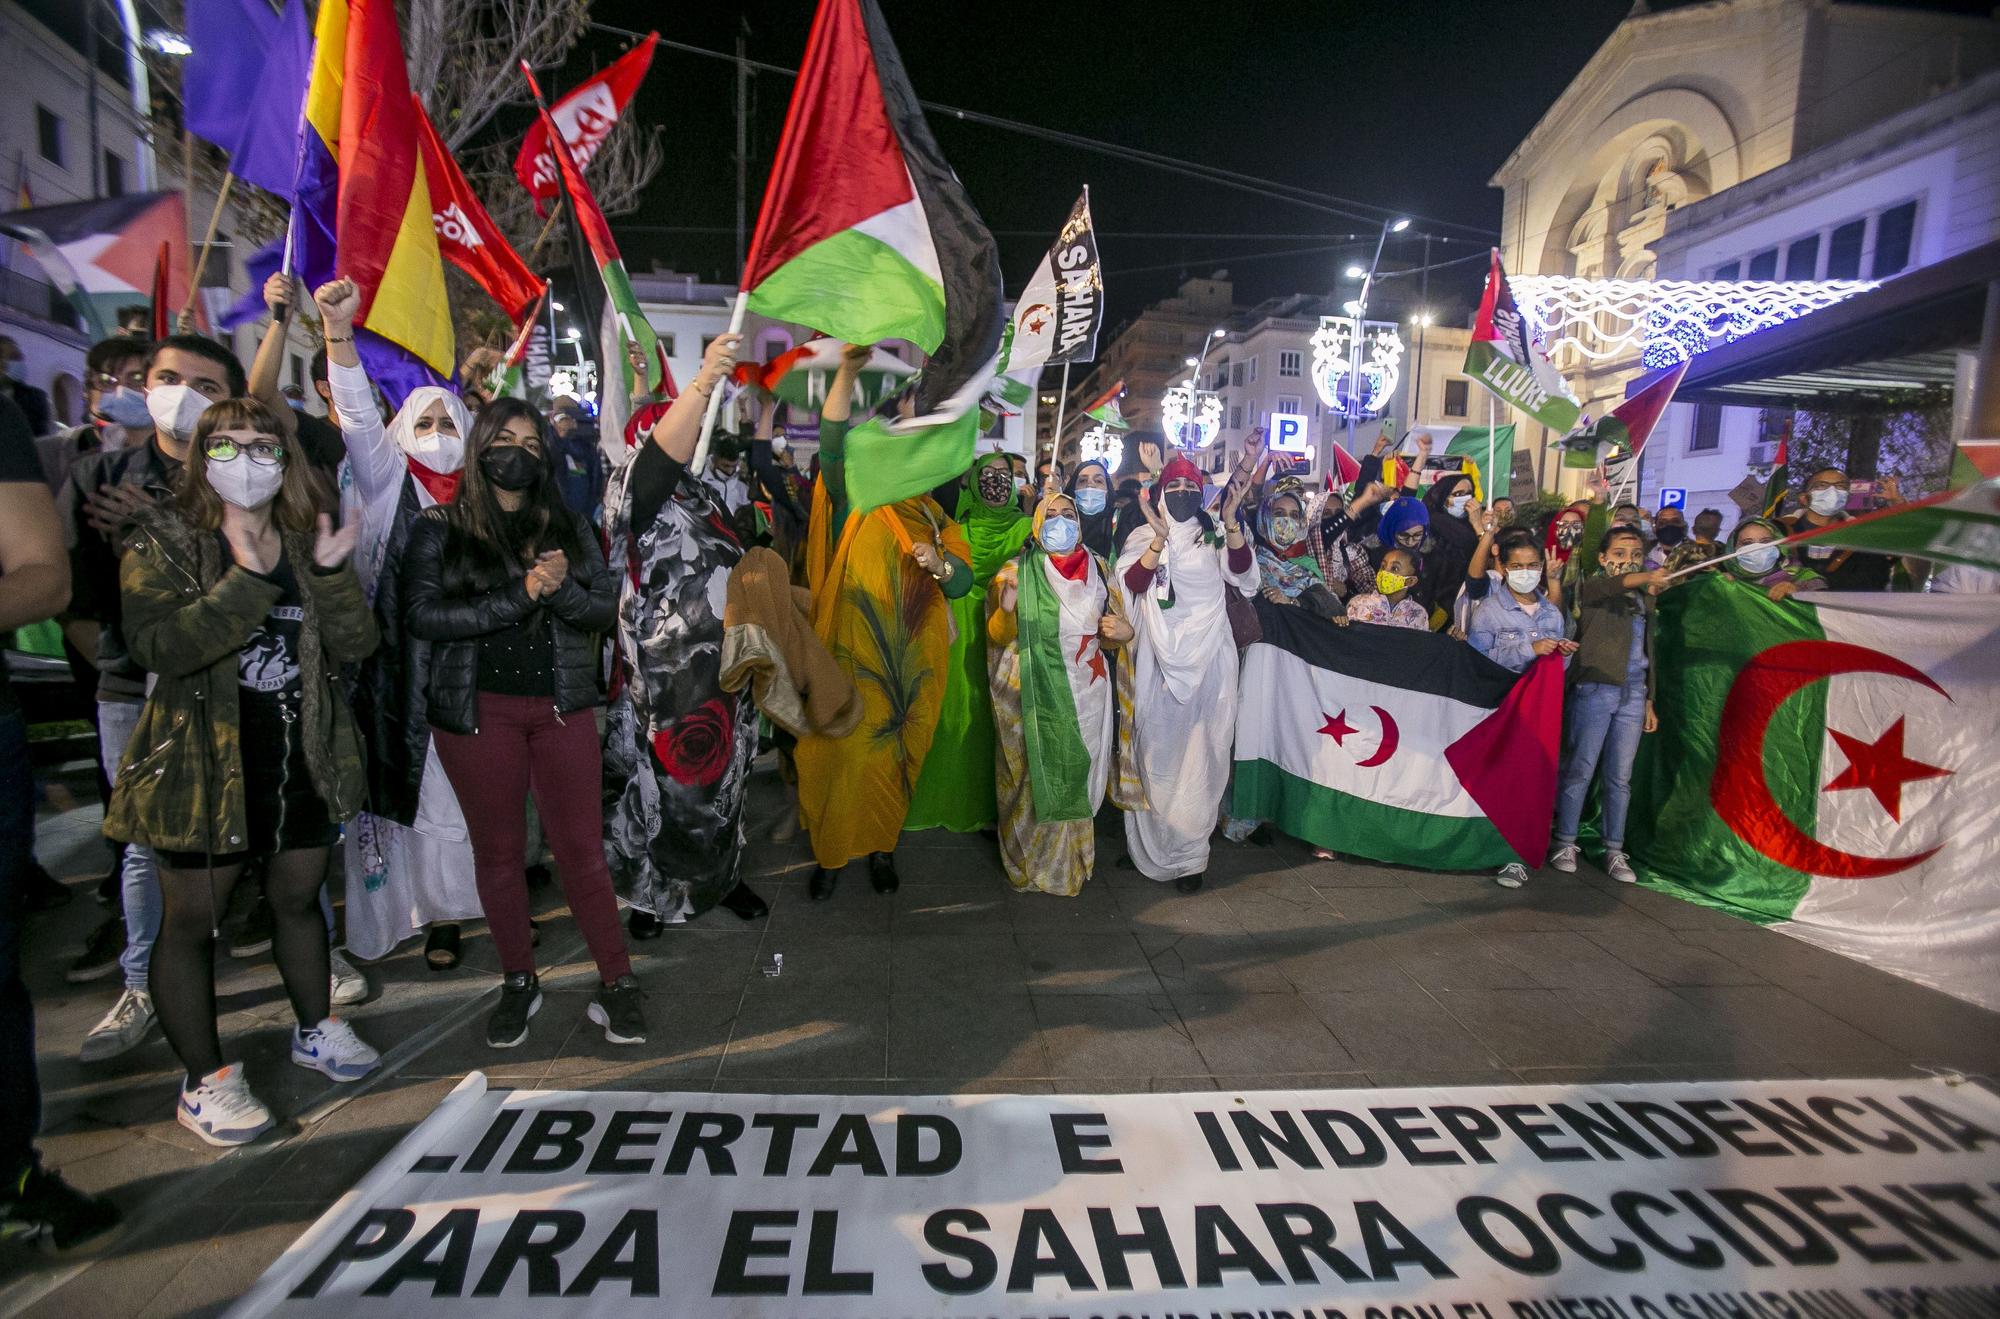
(865, 233)
(364, 199)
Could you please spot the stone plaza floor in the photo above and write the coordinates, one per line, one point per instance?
(1283, 972)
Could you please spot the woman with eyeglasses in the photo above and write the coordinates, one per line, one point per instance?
(510, 588)
(241, 599)
(409, 860)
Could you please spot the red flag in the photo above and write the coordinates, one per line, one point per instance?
(586, 117)
(466, 234)
(1346, 471)
(163, 314)
(1642, 409)
(589, 215)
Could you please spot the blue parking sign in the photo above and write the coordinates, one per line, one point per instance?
(1674, 497)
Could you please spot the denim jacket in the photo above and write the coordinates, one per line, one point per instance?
(1506, 632)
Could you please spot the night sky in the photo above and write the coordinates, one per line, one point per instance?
(1394, 105)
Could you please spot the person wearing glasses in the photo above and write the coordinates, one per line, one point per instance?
(1825, 502)
(239, 597)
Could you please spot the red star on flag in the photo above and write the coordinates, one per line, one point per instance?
(1881, 767)
(1096, 662)
(1035, 325)
(1337, 727)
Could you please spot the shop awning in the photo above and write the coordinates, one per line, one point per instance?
(1859, 354)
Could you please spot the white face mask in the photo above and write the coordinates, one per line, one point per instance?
(1759, 559)
(244, 483)
(1524, 580)
(175, 409)
(437, 449)
(1457, 505)
(1827, 500)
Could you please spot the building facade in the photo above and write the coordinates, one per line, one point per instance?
(1685, 105)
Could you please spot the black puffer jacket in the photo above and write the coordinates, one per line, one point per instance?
(581, 609)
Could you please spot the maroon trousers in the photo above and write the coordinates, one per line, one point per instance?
(522, 747)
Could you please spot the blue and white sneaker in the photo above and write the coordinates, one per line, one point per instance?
(334, 1049)
(221, 1110)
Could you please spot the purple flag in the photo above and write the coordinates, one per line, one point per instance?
(254, 119)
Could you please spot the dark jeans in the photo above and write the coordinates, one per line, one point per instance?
(20, 1089)
(522, 747)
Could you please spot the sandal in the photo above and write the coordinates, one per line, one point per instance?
(441, 947)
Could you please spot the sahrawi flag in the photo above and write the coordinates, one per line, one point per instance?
(1395, 744)
(866, 234)
(1504, 359)
(1058, 315)
(1827, 763)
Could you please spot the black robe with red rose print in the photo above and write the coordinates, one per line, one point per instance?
(677, 747)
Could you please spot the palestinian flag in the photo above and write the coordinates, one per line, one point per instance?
(1470, 444)
(800, 377)
(103, 254)
(1826, 764)
(1780, 479)
(1955, 526)
(1397, 745)
(1622, 434)
(865, 234)
(1505, 359)
(1106, 411)
(1345, 467)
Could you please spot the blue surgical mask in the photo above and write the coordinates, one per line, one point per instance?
(1060, 534)
(1090, 501)
(124, 406)
(1759, 559)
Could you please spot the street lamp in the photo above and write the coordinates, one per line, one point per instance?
(1357, 309)
(1189, 412)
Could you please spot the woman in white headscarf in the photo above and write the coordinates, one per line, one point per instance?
(409, 858)
(1178, 569)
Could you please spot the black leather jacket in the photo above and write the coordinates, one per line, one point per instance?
(582, 609)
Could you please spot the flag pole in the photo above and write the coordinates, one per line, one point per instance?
(715, 395)
(186, 317)
(1062, 403)
(1492, 432)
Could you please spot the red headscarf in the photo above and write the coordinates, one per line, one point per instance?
(1177, 469)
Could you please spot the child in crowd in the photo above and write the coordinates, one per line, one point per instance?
(1390, 602)
(1610, 699)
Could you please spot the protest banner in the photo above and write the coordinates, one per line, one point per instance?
(1825, 1198)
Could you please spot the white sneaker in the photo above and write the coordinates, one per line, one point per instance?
(333, 1049)
(1619, 867)
(1563, 857)
(222, 1111)
(1512, 875)
(349, 985)
(122, 1030)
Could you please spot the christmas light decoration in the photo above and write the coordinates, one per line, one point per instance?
(1103, 444)
(1335, 370)
(1664, 321)
(1191, 417)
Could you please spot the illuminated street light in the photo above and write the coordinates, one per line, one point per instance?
(1355, 272)
(169, 43)
(1399, 226)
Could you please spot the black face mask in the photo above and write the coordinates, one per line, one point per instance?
(511, 467)
(1670, 534)
(1183, 504)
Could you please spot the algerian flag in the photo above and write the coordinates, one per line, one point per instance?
(1826, 764)
(1957, 526)
(866, 234)
(1058, 315)
(1398, 745)
(1469, 443)
(1507, 362)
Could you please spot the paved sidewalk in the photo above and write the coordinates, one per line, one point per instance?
(1283, 972)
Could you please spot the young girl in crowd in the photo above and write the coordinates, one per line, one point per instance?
(511, 590)
(1610, 700)
(240, 599)
(409, 861)
(1516, 621)
(1051, 617)
(678, 747)
(1176, 569)
(1391, 602)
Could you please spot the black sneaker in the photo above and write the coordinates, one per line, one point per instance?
(101, 952)
(745, 903)
(620, 1007)
(642, 924)
(520, 999)
(882, 872)
(253, 936)
(43, 1207)
(41, 891)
